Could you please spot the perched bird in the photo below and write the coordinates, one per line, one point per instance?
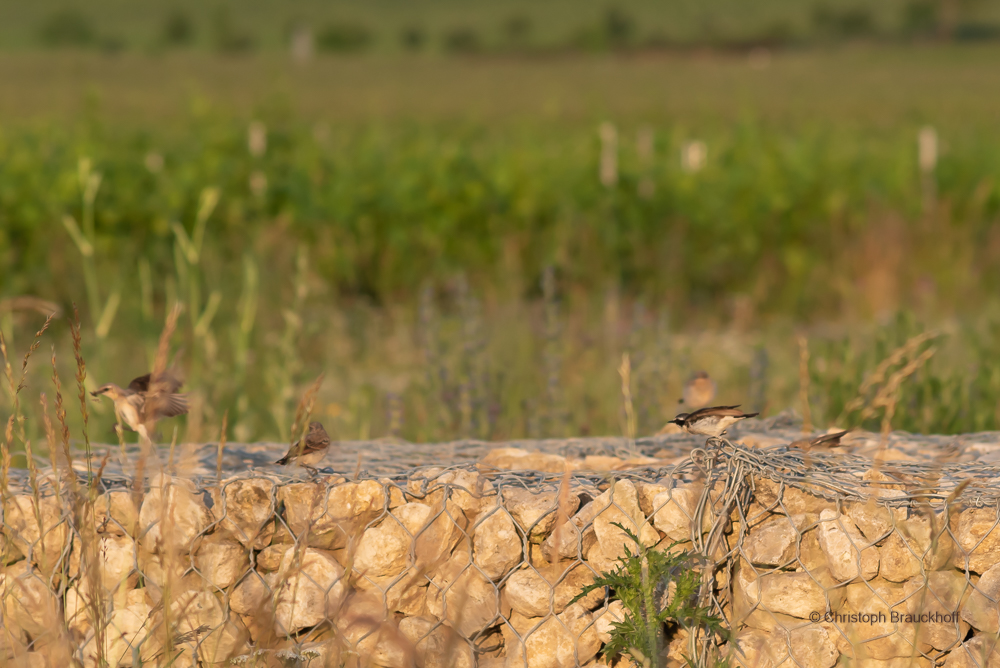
(822, 441)
(146, 400)
(310, 450)
(699, 391)
(711, 421)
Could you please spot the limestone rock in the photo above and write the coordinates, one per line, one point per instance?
(28, 603)
(938, 596)
(647, 492)
(468, 490)
(981, 608)
(115, 513)
(804, 646)
(673, 511)
(788, 500)
(752, 649)
(269, 559)
(436, 540)
(332, 518)
(978, 538)
(620, 505)
(915, 541)
(558, 642)
(773, 542)
(877, 636)
(221, 560)
(461, 595)
(172, 515)
(496, 543)
(245, 509)
(536, 514)
(252, 595)
(845, 547)
(572, 539)
(436, 644)
(515, 459)
(384, 550)
(979, 651)
(127, 627)
(793, 594)
(605, 619)
(117, 564)
(42, 543)
(874, 519)
(311, 588)
(528, 590)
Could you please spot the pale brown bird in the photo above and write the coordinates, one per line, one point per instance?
(146, 400)
(310, 450)
(699, 390)
(821, 441)
(711, 421)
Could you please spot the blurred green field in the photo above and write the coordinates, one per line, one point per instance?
(433, 234)
(442, 25)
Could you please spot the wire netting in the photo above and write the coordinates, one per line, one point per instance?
(809, 558)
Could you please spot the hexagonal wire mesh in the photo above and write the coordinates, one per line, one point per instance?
(809, 557)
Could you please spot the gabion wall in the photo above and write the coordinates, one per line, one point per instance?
(811, 559)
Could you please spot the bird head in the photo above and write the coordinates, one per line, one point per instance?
(315, 427)
(112, 390)
(679, 419)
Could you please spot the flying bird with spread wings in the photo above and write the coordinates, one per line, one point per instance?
(146, 400)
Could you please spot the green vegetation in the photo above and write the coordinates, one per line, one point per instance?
(659, 590)
(502, 26)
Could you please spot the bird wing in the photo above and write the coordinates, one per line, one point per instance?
(314, 441)
(715, 411)
(140, 384)
(829, 439)
(162, 399)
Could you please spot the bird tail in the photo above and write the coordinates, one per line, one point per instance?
(283, 460)
(750, 415)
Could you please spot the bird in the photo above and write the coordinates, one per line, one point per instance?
(699, 390)
(146, 399)
(823, 440)
(711, 421)
(310, 450)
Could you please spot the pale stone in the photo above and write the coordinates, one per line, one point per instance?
(172, 515)
(793, 594)
(384, 550)
(941, 594)
(437, 645)
(536, 514)
(647, 492)
(405, 593)
(167, 570)
(463, 596)
(515, 459)
(673, 511)
(435, 541)
(117, 564)
(43, 542)
(311, 589)
(773, 542)
(221, 560)
(335, 517)
(496, 543)
(874, 519)
(127, 627)
(605, 619)
(596, 463)
(804, 646)
(245, 509)
(252, 595)
(28, 603)
(877, 637)
(979, 651)
(620, 505)
(468, 490)
(788, 500)
(978, 538)
(981, 608)
(560, 641)
(115, 513)
(572, 539)
(269, 559)
(751, 649)
(529, 590)
(845, 546)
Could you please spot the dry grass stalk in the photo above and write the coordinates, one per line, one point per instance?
(807, 425)
(304, 411)
(222, 447)
(879, 374)
(81, 382)
(625, 371)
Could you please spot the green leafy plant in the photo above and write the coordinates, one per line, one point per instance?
(658, 588)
